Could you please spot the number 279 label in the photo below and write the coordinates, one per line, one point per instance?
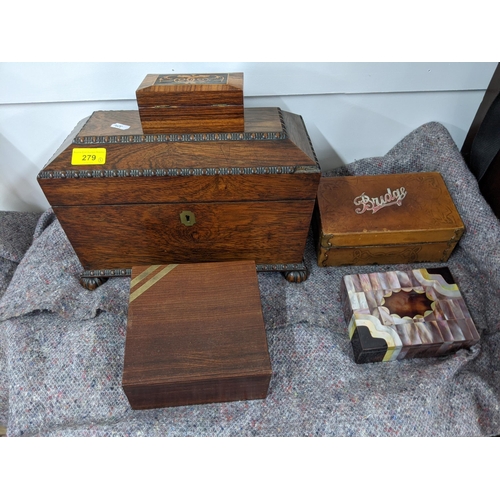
(88, 156)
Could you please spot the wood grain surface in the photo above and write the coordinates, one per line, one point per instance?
(253, 193)
(180, 189)
(195, 334)
(294, 151)
(427, 213)
(186, 155)
(385, 254)
(190, 90)
(425, 226)
(122, 236)
(192, 119)
(187, 103)
(99, 124)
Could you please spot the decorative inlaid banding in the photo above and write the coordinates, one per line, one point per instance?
(107, 273)
(148, 279)
(280, 267)
(173, 172)
(186, 137)
(126, 273)
(190, 137)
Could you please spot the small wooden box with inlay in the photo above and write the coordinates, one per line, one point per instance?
(195, 335)
(194, 102)
(385, 219)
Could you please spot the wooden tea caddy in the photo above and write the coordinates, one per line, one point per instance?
(128, 198)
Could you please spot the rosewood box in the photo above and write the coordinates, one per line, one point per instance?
(195, 334)
(385, 219)
(191, 103)
(126, 198)
(400, 315)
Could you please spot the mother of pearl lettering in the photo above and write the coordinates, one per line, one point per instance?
(375, 204)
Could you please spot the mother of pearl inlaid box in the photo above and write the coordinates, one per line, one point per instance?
(400, 315)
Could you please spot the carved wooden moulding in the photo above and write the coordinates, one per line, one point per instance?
(195, 334)
(401, 315)
(126, 198)
(385, 219)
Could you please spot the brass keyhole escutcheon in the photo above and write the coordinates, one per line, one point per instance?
(188, 218)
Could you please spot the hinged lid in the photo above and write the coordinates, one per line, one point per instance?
(128, 166)
(386, 210)
(191, 103)
(209, 89)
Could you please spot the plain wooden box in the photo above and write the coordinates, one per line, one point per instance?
(182, 198)
(399, 315)
(417, 221)
(211, 102)
(195, 334)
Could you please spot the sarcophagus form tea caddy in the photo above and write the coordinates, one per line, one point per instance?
(128, 198)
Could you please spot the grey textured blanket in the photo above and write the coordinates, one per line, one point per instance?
(61, 346)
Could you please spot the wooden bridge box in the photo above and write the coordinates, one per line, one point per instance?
(385, 219)
(195, 334)
(126, 198)
(186, 103)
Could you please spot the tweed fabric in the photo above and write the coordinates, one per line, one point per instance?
(16, 236)
(63, 345)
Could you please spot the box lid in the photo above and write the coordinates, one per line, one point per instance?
(386, 210)
(193, 89)
(274, 150)
(184, 103)
(194, 322)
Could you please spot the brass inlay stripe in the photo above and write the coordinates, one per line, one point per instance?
(143, 275)
(157, 277)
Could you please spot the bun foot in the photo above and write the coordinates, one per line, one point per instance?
(91, 283)
(296, 276)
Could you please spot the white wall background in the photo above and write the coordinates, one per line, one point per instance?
(351, 110)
